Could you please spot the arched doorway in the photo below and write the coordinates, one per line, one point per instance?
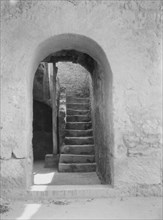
(102, 91)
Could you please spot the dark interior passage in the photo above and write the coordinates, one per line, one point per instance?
(72, 77)
(42, 115)
(42, 130)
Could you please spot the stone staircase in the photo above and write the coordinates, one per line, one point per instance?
(78, 154)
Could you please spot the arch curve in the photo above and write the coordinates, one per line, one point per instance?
(72, 42)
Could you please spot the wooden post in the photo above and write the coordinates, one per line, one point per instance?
(51, 160)
(46, 83)
(52, 76)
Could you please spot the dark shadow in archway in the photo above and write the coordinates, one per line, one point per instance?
(42, 116)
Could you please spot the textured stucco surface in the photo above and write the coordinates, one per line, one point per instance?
(129, 32)
(74, 78)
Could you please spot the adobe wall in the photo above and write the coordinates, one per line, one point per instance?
(129, 32)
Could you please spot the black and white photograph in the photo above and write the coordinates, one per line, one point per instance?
(81, 109)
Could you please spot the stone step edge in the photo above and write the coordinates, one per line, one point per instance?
(77, 116)
(78, 145)
(78, 155)
(77, 103)
(68, 187)
(74, 97)
(81, 110)
(69, 138)
(90, 121)
(78, 164)
(70, 191)
(78, 122)
(78, 109)
(74, 94)
(78, 130)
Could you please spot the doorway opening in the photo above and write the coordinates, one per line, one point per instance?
(87, 53)
(76, 82)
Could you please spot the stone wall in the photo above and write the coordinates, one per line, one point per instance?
(74, 78)
(129, 33)
(38, 83)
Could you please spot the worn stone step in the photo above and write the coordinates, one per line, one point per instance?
(78, 149)
(72, 158)
(78, 133)
(77, 95)
(78, 106)
(78, 118)
(78, 125)
(78, 140)
(77, 167)
(72, 99)
(77, 112)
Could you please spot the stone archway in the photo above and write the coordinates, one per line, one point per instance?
(102, 93)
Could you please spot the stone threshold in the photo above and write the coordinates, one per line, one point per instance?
(48, 192)
(40, 192)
